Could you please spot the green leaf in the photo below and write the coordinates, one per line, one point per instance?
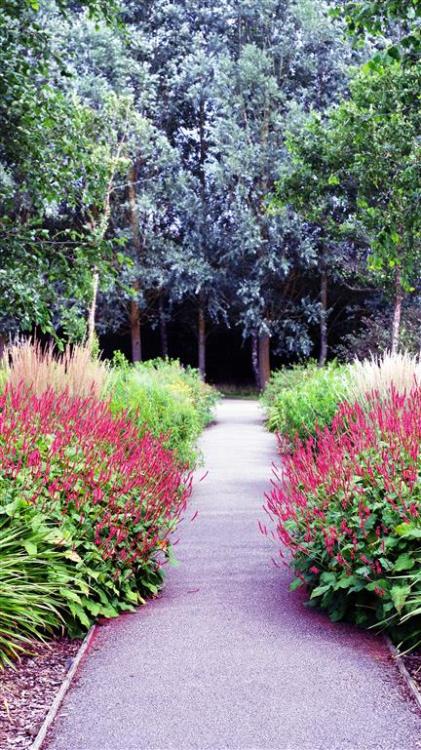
(404, 562)
(30, 547)
(399, 595)
(70, 595)
(345, 582)
(296, 584)
(71, 554)
(320, 590)
(79, 613)
(408, 530)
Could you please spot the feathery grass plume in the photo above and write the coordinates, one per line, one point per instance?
(378, 374)
(41, 368)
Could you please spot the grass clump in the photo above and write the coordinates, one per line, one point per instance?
(167, 399)
(301, 399)
(74, 370)
(379, 374)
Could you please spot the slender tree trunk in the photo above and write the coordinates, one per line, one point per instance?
(135, 328)
(163, 327)
(397, 312)
(99, 226)
(202, 342)
(255, 358)
(92, 310)
(135, 317)
(264, 360)
(323, 319)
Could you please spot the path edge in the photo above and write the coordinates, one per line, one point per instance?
(397, 660)
(64, 687)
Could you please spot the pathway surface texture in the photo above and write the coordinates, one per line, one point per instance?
(227, 658)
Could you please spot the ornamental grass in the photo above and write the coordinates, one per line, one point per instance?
(74, 370)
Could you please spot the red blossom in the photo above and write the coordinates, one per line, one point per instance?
(79, 455)
(326, 496)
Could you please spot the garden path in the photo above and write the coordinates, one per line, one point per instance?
(227, 657)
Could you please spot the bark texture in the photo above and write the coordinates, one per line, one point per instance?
(202, 342)
(397, 312)
(135, 316)
(264, 360)
(323, 319)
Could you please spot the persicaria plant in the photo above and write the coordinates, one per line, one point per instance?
(347, 507)
(115, 495)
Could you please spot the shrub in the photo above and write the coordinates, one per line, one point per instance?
(166, 399)
(378, 374)
(347, 508)
(114, 496)
(287, 378)
(74, 371)
(304, 399)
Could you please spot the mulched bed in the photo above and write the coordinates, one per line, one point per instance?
(26, 692)
(413, 664)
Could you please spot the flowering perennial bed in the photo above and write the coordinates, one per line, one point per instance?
(348, 509)
(87, 507)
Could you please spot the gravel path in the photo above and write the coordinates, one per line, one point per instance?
(227, 657)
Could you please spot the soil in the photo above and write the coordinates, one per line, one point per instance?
(28, 690)
(413, 664)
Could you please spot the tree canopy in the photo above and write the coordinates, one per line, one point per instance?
(243, 165)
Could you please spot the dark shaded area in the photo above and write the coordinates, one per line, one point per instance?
(228, 355)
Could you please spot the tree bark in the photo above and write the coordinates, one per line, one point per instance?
(323, 319)
(264, 360)
(135, 317)
(163, 327)
(135, 328)
(92, 310)
(397, 312)
(202, 342)
(255, 358)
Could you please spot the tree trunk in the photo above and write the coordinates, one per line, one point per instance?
(135, 328)
(163, 327)
(92, 310)
(264, 360)
(255, 358)
(202, 343)
(397, 312)
(3, 344)
(135, 317)
(323, 320)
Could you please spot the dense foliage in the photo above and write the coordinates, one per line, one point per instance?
(94, 479)
(165, 399)
(304, 399)
(115, 495)
(138, 158)
(347, 508)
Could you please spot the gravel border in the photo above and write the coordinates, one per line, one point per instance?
(65, 685)
(28, 688)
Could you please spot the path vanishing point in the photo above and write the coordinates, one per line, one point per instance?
(227, 658)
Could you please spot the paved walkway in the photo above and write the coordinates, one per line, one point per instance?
(227, 658)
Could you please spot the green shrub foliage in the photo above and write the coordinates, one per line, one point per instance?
(303, 399)
(165, 399)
